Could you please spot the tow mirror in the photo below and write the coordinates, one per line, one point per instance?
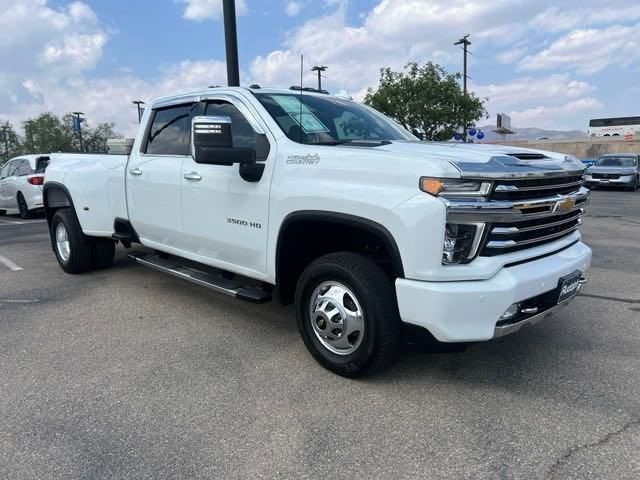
(212, 142)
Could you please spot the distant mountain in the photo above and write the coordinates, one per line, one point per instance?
(530, 134)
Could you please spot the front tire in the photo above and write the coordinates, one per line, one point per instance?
(73, 250)
(347, 314)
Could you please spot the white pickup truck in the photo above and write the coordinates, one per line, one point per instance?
(321, 201)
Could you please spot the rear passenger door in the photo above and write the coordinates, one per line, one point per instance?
(153, 177)
(4, 182)
(11, 187)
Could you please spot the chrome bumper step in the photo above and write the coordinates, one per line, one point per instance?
(212, 281)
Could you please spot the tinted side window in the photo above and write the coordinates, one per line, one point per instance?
(23, 168)
(13, 167)
(4, 173)
(170, 129)
(244, 136)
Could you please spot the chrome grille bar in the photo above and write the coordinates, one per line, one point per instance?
(515, 188)
(513, 243)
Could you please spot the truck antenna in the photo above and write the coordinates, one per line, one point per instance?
(300, 117)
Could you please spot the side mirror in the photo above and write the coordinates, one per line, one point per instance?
(212, 142)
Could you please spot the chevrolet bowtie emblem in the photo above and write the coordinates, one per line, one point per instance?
(564, 206)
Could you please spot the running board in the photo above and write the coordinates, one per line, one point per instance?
(211, 281)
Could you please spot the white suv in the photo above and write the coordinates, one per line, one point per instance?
(21, 181)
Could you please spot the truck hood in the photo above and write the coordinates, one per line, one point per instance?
(615, 170)
(488, 161)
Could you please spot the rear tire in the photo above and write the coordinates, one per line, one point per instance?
(73, 250)
(25, 213)
(341, 293)
(103, 251)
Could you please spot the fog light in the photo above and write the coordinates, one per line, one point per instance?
(511, 312)
(459, 245)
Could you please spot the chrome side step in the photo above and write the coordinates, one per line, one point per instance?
(211, 281)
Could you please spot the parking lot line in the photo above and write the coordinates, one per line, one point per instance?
(9, 264)
(6, 223)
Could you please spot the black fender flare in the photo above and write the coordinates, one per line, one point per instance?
(346, 219)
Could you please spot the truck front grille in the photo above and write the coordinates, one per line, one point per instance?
(510, 237)
(608, 176)
(522, 213)
(535, 188)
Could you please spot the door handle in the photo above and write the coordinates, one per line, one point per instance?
(135, 171)
(195, 176)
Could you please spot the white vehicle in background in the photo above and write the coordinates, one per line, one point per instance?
(614, 127)
(21, 181)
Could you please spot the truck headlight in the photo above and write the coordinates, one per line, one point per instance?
(461, 242)
(454, 187)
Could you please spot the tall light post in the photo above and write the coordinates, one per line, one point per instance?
(464, 41)
(138, 104)
(320, 69)
(5, 131)
(77, 126)
(231, 42)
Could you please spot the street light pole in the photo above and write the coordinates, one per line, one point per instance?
(79, 128)
(138, 104)
(319, 69)
(464, 41)
(231, 42)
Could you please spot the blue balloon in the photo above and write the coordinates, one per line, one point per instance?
(457, 137)
(480, 135)
(472, 132)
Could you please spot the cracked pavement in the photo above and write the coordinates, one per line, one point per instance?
(128, 373)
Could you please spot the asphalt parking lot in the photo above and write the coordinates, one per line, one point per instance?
(128, 373)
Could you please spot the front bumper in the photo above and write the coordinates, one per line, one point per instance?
(468, 311)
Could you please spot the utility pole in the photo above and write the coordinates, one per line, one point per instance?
(231, 42)
(138, 104)
(78, 128)
(320, 69)
(5, 131)
(464, 41)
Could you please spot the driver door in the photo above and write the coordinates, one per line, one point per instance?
(224, 216)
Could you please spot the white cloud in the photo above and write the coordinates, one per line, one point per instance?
(293, 8)
(209, 9)
(108, 99)
(555, 19)
(560, 116)
(588, 51)
(551, 89)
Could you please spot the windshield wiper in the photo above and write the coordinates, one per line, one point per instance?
(355, 143)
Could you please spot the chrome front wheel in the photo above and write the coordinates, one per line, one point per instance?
(336, 318)
(62, 242)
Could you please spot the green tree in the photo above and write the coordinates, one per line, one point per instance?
(49, 133)
(426, 97)
(10, 142)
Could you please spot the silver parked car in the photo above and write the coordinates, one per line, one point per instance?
(615, 170)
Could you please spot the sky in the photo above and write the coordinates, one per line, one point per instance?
(547, 64)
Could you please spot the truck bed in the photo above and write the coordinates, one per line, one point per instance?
(97, 185)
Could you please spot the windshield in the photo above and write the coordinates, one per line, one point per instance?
(325, 120)
(616, 162)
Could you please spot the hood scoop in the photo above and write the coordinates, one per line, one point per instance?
(528, 156)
